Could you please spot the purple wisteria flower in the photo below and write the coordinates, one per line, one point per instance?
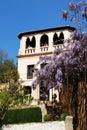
(34, 84)
(68, 63)
(58, 85)
(84, 13)
(57, 51)
(65, 15)
(58, 75)
(84, 38)
(71, 6)
(79, 4)
(75, 35)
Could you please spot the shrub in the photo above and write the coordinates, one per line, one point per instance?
(47, 117)
(62, 116)
(23, 115)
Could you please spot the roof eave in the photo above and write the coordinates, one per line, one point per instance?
(46, 30)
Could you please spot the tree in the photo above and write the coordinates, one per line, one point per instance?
(8, 70)
(7, 96)
(9, 75)
(13, 94)
(3, 57)
(67, 67)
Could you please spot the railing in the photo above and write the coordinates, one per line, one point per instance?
(61, 46)
(30, 51)
(44, 48)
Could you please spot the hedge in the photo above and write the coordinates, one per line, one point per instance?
(26, 115)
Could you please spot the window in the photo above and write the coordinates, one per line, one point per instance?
(58, 40)
(44, 40)
(27, 90)
(31, 43)
(43, 65)
(30, 70)
(27, 42)
(61, 37)
(55, 39)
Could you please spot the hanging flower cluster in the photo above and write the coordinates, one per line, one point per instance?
(84, 13)
(76, 12)
(76, 8)
(63, 65)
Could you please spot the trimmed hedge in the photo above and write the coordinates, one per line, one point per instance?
(23, 116)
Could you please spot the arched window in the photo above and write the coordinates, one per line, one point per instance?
(61, 37)
(33, 42)
(27, 42)
(55, 39)
(44, 40)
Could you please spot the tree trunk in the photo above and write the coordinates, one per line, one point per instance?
(82, 106)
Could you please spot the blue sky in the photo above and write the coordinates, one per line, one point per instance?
(25, 15)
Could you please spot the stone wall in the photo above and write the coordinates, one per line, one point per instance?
(55, 125)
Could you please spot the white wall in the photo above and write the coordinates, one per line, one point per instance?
(31, 58)
(55, 125)
(37, 126)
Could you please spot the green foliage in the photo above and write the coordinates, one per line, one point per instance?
(4, 102)
(20, 100)
(62, 117)
(8, 70)
(52, 117)
(47, 117)
(3, 97)
(23, 115)
(13, 97)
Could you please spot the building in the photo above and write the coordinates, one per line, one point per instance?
(38, 43)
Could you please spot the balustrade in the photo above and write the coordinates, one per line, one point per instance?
(30, 50)
(61, 46)
(44, 48)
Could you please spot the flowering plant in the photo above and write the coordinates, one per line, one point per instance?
(66, 66)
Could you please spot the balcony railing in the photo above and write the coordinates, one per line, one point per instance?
(44, 49)
(30, 51)
(61, 46)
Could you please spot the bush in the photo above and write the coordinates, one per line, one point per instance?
(62, 116)
(23, 115)
(47, 117)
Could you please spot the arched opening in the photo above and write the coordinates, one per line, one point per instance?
(27, 42)
(33, 42)
(44, 40)
(55, 39)
(61, 37)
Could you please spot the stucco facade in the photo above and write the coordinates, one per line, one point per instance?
(34, 44)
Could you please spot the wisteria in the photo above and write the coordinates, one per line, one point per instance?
(84, 13)
(63, 64)
(68, 66)
(77, 12)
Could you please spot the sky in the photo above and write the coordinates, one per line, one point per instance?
(18, 16)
